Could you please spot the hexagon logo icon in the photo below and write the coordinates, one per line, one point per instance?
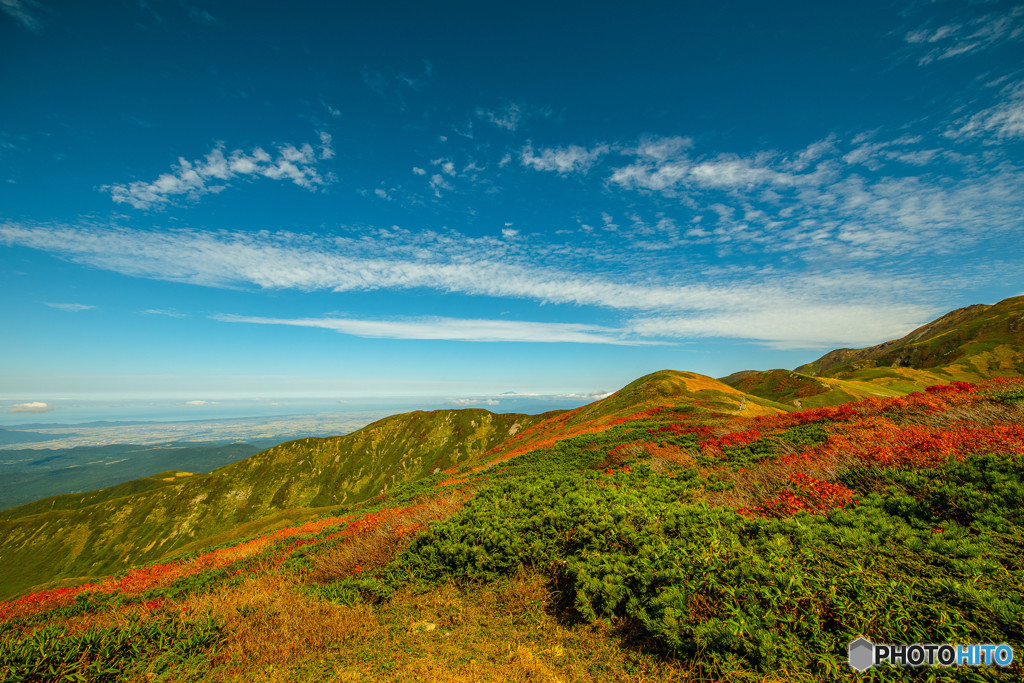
(862, 654)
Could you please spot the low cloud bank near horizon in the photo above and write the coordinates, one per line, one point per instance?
(31, 407)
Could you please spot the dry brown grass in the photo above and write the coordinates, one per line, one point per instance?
(987, 413)
(500, 632)
(379, 544)
(271, 623)
(276, 632)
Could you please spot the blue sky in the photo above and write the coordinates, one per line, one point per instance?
(240, 200)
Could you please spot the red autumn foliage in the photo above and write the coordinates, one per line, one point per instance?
(806, 494)
(731, 439)
(678, 429)
(877, 440)
(642, 415)
(952, 388)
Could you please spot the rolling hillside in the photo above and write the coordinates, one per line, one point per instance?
(86, 535)
(794, 390)
(972, 343)
(969, 344)
(681, 529)
(101, 532)
(97, 533)
(665, 391)
(680, 544)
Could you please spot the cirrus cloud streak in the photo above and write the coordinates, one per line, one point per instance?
(455, 329)
(447, 264)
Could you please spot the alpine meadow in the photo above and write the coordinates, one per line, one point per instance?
(650, 342)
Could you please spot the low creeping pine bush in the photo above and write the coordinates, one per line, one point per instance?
(742, 591)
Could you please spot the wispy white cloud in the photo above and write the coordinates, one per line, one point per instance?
(968, 36)
(789, 327)
(192, 179)
(74, 308)
(454, 329)
(450, 174)
(511, 116)
(169, 314)
(469, 402)
(874, 154)
(497, 267)
(562, 160)
(326, 151)
(202, 403)
(517, 397)
(820, 203)
(659, 149)
(449, 263)
(336, 113)
(25, 12)
(31, 407)
(1003, 120)
(438, 183)
(725, 171)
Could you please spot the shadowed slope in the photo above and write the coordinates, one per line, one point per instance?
(801, 391)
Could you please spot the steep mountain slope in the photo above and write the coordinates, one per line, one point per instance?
(102, 532)
(969, 343)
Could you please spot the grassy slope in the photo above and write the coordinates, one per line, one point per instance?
(102, 532)
(967, 344)
(673, 387)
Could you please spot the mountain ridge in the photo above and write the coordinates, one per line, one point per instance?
(682, 528)
(970, 344)
(964, 341)
(103, 531)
